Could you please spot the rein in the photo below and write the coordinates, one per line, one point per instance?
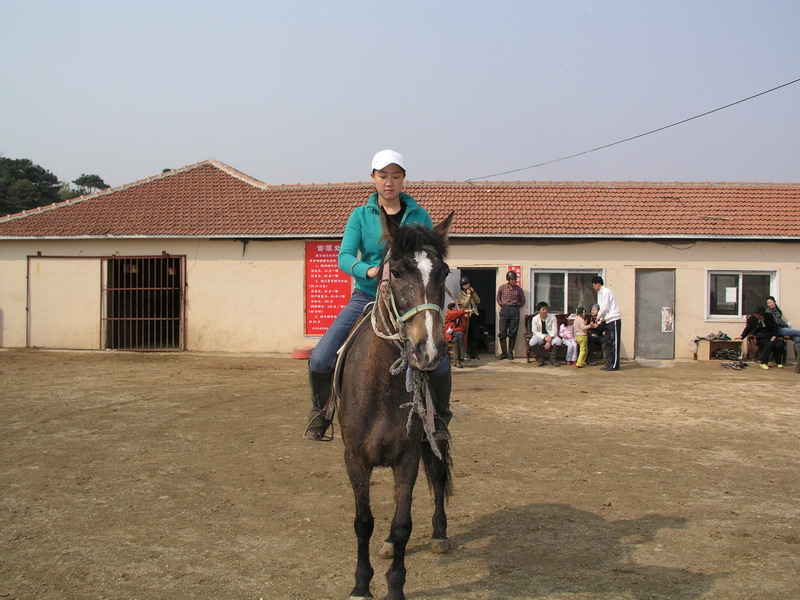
(416, 381)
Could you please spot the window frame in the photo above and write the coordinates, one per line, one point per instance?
(566, 271)
(773, 286)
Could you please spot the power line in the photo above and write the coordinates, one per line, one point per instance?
(549, 162)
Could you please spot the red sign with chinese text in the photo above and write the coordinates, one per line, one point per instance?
(327, 288)
(518, 270)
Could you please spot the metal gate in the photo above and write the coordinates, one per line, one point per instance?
(143, 304)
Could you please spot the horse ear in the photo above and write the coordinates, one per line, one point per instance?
(441, 230)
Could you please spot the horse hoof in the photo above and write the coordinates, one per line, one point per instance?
(387, 550)
(440, 546)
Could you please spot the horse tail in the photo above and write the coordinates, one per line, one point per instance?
(438, 472)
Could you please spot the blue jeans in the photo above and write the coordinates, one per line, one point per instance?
(790, 333)
(323, 356)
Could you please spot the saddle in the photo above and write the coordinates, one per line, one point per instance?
(329, 410)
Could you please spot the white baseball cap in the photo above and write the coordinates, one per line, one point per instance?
(387, 157)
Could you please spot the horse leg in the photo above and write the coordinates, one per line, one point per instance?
(363, 524)
(439, 476)
(405, 476)
(387, 549)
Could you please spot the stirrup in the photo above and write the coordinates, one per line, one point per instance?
(316, 433)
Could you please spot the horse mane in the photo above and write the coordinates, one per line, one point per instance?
(413, 238)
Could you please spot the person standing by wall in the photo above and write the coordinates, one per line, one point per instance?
(510, 297)
(609, 315)
(469, 300)
(581, 336)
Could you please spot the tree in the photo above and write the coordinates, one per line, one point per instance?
(24, 185)
(90, 183)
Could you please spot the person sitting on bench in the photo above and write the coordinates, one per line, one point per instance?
(762, 325)
(544, 334)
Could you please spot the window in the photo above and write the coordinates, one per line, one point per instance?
(736, 294)
(563, 290)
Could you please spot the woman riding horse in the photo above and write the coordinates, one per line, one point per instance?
(385, 412)
(361, 253)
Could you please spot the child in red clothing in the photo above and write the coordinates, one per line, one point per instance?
(455, 323)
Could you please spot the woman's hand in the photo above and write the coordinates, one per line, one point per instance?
(372, 272)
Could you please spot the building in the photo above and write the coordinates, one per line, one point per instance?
(205, 258)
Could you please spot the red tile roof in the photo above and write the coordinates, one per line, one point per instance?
(210, 199)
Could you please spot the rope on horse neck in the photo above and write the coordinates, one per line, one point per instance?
(422, 405)
(416, 382)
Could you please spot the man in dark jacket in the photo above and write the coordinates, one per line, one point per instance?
(762, 325)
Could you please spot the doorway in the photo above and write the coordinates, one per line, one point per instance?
(143, 303)
(483, 282)
(655, 314)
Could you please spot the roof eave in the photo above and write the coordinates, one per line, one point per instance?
(484, 236)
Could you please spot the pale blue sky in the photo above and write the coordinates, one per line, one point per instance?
(307, 91)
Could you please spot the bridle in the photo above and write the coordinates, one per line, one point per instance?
(398, 320)
(416, 381)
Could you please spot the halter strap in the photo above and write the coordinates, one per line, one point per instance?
(418, 309)
(388, 299)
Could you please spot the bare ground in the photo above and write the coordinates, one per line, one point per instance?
(149, 476)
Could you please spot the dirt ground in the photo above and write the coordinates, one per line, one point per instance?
(152, 476)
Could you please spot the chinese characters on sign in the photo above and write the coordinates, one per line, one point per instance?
(327, 288)
(518, 270)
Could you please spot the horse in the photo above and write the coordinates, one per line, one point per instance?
(383, 419)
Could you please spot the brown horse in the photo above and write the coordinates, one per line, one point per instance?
(382, 412)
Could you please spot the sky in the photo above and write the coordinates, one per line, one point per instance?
(307, 91)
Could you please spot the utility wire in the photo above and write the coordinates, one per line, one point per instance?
(549, 162)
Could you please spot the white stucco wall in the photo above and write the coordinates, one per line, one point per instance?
(618, 262)
(238, 299)
(251, 298)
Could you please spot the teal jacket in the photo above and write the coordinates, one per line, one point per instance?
(362, 247)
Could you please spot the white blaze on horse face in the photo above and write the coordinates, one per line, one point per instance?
(425, 266)
(430, 347)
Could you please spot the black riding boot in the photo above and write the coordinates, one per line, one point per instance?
(440, 386)
(320, 392)
(553, 358)
(511, 342)
(537, 352)
(503, 350)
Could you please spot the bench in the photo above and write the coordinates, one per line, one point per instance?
(748, 348)
(706, 348)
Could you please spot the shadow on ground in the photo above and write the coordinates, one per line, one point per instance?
(558, 550)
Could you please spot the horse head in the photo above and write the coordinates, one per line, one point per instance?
(415, 288)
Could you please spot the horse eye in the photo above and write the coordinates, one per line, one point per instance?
(396, 274)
